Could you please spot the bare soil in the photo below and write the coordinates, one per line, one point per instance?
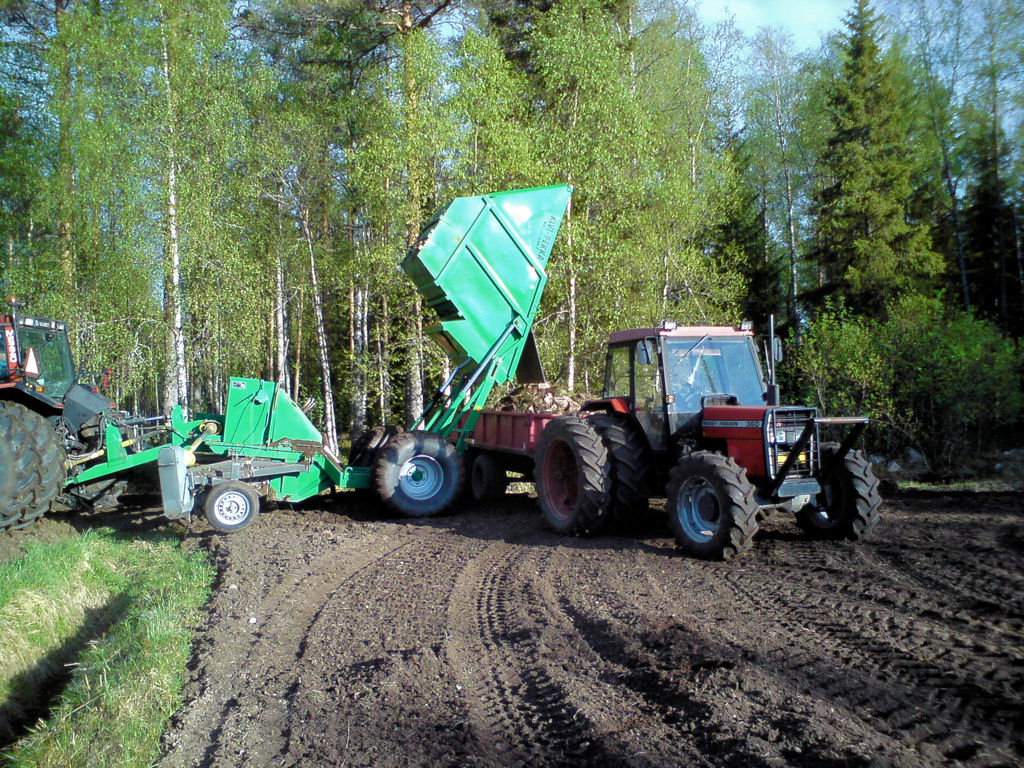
(335, 638)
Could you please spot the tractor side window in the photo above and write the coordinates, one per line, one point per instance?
(616, 380)
(650, 402)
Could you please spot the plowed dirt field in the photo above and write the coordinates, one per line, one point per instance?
(480, 639)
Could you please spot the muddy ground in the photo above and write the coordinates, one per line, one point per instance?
(335, 638)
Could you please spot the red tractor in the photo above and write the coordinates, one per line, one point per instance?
(686, 413)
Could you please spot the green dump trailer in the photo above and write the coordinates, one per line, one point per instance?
(481, 266)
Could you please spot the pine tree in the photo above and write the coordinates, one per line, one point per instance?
(867, 246)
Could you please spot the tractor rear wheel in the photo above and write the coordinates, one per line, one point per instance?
(573, 477)
(711, 506)
(847, 507)
(488, 479)
(364, 453)
(32, 470)
(631, 466)
(418, 474)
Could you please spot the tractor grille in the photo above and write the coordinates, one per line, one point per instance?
(783, 428)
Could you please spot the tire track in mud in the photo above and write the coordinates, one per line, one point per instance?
(518, 711)
(228, 692)
(912, 679)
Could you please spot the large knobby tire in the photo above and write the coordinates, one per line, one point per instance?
(418, 474)
(488, 479)
(364, 453)
(847, 507)
(711, 506)
(630, 466)
(32, 470)
(573, 477)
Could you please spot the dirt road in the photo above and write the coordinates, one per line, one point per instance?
(480, 639)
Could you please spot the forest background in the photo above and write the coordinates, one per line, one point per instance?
(207, 188)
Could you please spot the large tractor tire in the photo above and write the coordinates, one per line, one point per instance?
(573, 477)
(487, 479)
(32, 470)
(847, 507)
(630, 465)
(364, 453)
(418, 474)
(711, 506)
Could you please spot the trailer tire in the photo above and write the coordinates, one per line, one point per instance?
(630, 466)
(849, 510)
(711, 506)
(231, 506)
(573, 477)
(418, 474)
(488, 479)
(34, 466)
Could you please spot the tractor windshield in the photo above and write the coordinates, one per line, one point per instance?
(713, 365)
(47, 352)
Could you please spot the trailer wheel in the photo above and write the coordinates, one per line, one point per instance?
(847, 507)
(33, 462)
(631, 465)
(231, 506)
(573, 477)
(418, 474)
(711, 506)
(487, 478)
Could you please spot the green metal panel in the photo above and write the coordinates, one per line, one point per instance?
(260, 412)
(481, 264)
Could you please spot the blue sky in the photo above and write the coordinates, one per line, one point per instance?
(806, 20)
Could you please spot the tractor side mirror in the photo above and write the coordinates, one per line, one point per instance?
(644, 353)
(777, 349)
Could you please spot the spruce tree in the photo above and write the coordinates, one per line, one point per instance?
(867, 246)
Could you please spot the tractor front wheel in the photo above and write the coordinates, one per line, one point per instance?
(418, 474)
(573, 477)
(32, 470)
(847, 507)
(711, 506)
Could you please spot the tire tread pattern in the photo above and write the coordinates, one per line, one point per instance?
(32, 462)
(630, 466)
(593, 496)
(859, 494)
(733, 488)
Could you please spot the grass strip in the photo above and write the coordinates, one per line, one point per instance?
(95, 635)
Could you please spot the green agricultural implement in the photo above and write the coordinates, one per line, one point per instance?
(480, 264)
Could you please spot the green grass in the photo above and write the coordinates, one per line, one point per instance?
(95, 633)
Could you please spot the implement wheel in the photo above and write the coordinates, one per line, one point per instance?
(418, 474)
(847, 507)
(32, 468)
(488, 479)
(231, 506)
(573, 477)
(711, 507)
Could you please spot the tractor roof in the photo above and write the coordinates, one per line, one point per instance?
(685, 332)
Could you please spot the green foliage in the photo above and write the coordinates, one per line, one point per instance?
(932, 377)
(868, 248)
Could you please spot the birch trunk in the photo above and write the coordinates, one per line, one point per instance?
(570, 376)
(176, 373)
(320, 329)
(358, 350)
(280, 319)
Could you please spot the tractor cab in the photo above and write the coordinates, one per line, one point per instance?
(35, 359)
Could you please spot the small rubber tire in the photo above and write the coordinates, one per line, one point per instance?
(33, 466)
(631, 468)
(418, 474)
(573, 477)
(848, 505)
(231, 506)
(488, 479)
(711, 506)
